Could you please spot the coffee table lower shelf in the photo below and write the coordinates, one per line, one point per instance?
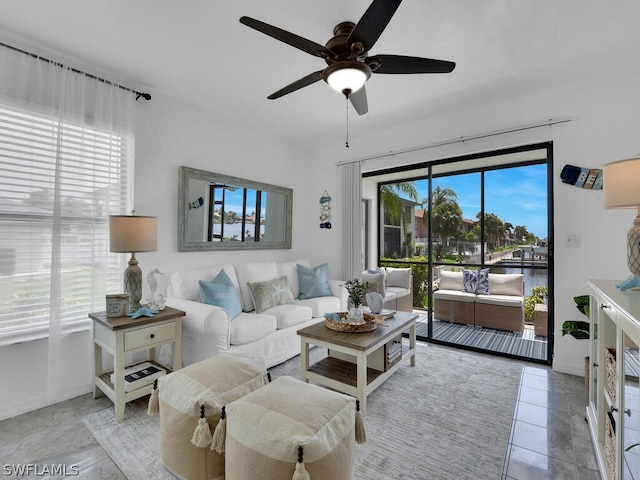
(342, 375)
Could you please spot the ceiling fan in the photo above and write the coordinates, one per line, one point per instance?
(346, 54)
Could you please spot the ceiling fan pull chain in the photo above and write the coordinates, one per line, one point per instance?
(347, 142)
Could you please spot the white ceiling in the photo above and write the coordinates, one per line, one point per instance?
(196, 51)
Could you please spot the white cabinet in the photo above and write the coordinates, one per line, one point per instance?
(614, 390)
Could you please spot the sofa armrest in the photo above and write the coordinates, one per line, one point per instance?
(202, 317)
(339, 291)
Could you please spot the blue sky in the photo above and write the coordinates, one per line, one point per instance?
(516, 195)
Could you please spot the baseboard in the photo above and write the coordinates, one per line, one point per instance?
(37, 403)
(570, 368)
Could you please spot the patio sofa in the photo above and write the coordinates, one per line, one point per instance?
(394, 284)
(502, 308)
(265, 337)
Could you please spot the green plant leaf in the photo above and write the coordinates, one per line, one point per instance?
(577, 329)
(582, 304)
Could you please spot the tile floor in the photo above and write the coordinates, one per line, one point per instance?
(549, 438)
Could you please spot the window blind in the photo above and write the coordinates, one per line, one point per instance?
(58, 183)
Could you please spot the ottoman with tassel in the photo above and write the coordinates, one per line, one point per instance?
(288, 430)
(190, 402)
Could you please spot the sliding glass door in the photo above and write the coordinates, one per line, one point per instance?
(476, 233)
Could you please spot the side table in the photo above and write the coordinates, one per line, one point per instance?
(124, 335)
(540, 321)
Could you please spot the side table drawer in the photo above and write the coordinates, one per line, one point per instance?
(147, 336)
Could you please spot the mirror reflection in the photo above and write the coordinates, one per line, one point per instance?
(219, 212)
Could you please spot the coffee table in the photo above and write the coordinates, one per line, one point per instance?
(353, 376)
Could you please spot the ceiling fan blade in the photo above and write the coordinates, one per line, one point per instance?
(289, 38)
(297, 85)
(404, 64)
(359, 101)
(373, 22)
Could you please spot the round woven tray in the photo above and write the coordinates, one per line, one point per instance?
(368, 326)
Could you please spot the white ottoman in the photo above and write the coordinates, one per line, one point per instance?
(289, 425)
(211, 384)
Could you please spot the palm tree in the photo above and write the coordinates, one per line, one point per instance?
(393, 202)
(446, 215)
(493, 228)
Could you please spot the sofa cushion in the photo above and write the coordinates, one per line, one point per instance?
(506, 284)
(450, 280)
(253, 272)
(321, 305)
(249, 327)
(290, 314)
(476, 281)
(374, 277)
(395, 292)
(222, 293)
(455, 295)
(398, 277)
(314, 282)
(185, 283)
(501, 300)
(290, 270)
(270, 293)
(469, 281)
(482, 286)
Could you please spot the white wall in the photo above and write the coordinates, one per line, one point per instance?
(168, 135)
(603, 129)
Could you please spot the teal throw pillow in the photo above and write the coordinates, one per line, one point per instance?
(314, 282)
(222, 293)
(270, 293)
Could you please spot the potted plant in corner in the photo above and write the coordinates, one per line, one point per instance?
(579, 329)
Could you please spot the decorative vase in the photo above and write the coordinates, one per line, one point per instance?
(375, 302)
(355, 315)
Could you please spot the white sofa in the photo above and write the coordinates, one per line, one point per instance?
(267, 338)
(394, 284)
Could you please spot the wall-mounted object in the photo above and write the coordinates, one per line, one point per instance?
(325, 210)
(196, 203)
(237, 214)
(590, 178)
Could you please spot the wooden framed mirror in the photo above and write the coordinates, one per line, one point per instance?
(221, 212)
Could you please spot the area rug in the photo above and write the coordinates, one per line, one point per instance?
(449, 417)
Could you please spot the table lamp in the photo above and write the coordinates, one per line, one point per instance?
(132, 233)
(621, 186)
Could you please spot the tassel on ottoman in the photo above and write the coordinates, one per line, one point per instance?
(191, 402)
(290, 430)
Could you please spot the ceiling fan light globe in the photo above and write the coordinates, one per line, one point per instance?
(351, 79)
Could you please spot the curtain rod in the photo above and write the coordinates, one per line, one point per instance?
(144, 95)
(462, 139)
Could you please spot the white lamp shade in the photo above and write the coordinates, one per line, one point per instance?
(621, 184)
(347, 79)
(132, 233)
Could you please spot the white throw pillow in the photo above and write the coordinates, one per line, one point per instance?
(450, 280)
(398, 277)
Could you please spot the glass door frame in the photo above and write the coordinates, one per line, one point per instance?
(411, 171)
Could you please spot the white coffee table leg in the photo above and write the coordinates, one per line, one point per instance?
(304, 359)
(361, 386)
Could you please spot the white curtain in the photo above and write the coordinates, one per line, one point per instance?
(66, 143)
(351, 186)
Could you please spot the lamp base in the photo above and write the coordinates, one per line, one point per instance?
(133, 283)
(633, 247)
